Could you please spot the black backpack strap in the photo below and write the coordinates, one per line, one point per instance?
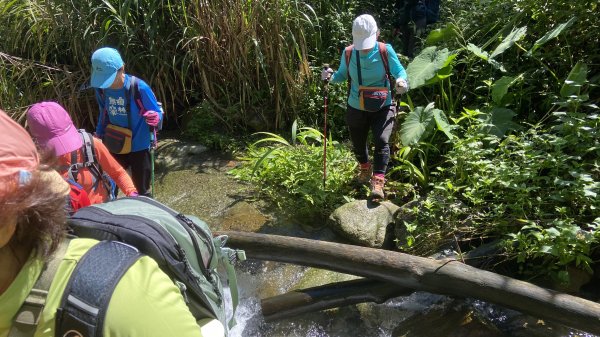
(104, 113)
(135, 94)
(131, 92)
(27, 318)
(358, 68)
(88, 292)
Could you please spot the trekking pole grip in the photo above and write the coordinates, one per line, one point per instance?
(326, 87)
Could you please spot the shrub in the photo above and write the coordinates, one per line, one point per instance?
(291, 174)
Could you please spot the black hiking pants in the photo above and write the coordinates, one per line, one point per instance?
(381, 124)
(141, 169)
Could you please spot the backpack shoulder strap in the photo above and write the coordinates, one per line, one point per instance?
(384, 58)
(347, 56)
(89, 153)
(104, 113)
(134, 86)
(73, 170)
(128, 94)
(87, 294)
(91, 160)
(27, 318)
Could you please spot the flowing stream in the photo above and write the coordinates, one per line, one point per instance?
(195, 182)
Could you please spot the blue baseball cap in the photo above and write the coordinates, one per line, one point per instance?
(106, 62)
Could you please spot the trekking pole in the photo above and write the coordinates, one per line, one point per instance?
(392, 141)
(325, 94)
(152, 150)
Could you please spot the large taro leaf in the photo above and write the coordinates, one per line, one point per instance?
(514, 36)
(425, 66)
(442, 123)
(444, 72)
(550, 35)
(499, 121)
(577, 77)
(439, 35)
(482, 54)
(417, 123)
(500, 87)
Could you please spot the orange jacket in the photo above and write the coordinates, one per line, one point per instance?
(108, 164)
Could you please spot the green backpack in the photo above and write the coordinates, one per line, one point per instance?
(183, 246)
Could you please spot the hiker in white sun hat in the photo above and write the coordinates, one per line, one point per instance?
(368, 66)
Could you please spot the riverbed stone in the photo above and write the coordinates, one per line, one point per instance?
(451, 321)
(365, 223)
(173, 154)
(314, 277)
(243, 216)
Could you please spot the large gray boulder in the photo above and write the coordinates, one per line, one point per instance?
(364, 222)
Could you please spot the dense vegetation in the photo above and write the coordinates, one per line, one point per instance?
(500, 139)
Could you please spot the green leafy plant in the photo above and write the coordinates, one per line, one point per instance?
(417, 136)
(290, 173)
(538, 188)
(206, 126)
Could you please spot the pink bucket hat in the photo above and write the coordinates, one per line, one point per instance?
(52, 127)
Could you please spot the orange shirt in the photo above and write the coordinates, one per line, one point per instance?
(108, 164)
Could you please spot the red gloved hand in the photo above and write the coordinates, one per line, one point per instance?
(151, 117)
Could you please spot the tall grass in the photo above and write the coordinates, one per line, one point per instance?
(249, 59)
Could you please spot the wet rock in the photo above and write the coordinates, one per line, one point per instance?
(173, 154)
(449, 322)
(243, 216)
(454, 319)
(314, 277)
(176, 148)
(365, 223)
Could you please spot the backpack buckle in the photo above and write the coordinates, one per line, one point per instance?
(222, 240)
(234, 255)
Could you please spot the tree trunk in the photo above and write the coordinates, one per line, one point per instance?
(334, 295)
(329, 296)
(448, 277)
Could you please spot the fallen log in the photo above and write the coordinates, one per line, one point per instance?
(329, 296)
(442, 277)
(339, 294)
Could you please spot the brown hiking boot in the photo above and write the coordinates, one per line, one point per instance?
(377, 184)
(364, 176)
